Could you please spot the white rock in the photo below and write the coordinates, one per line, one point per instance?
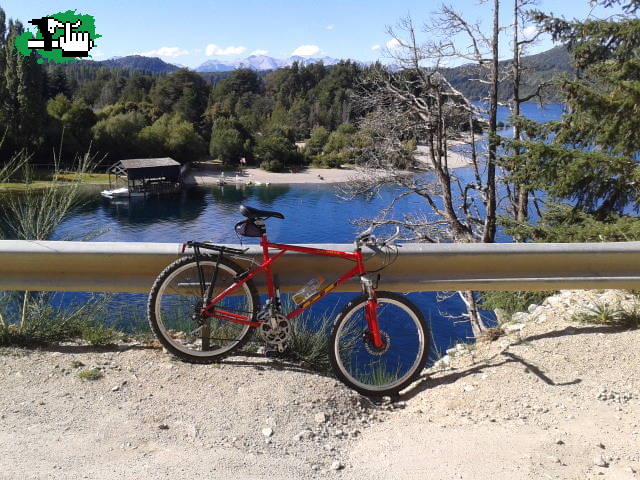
(520, 317)
(513, 327)
(320, 417)
(443, 362)
(267, 432)
(336, 465)
(600, 461)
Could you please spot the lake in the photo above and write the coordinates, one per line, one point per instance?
(314, 214)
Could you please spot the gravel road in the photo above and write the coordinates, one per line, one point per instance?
(550, 400)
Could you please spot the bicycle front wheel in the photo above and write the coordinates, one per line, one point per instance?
(177, 297)
(380, 371)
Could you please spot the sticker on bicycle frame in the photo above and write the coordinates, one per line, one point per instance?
(60, 37)
(320, 294)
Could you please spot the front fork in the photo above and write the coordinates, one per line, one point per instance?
(371, 312)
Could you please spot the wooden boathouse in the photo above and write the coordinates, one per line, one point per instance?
(148, 176)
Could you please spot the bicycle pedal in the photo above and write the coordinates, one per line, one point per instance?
(275, 354)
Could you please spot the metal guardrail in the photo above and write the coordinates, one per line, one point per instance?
(132, 267)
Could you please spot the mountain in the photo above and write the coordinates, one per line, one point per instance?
(260, 63)
(215, 66)
(541, 67)
(138, 62)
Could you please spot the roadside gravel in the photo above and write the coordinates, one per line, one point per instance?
(552, 399)
(247, 418)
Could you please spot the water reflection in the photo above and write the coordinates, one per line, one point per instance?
(184, 206)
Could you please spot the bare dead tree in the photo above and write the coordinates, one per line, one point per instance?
(415, 100)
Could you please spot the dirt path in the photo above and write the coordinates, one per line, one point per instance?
(551, 400)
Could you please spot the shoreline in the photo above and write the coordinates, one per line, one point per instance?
(257, 176)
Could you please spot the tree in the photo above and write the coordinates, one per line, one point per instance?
(57, 83)
(277, 153)
(590, 158)
(227, 144)
(317, 141)
(183, 92)
(22, 89)
(173, 136)
(117, 135)
(72, 126)
(417, 101)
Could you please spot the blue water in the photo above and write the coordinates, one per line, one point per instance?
(314, 214)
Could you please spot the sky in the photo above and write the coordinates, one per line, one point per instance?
(189, 33)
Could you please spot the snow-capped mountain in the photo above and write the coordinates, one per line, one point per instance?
(260, 63)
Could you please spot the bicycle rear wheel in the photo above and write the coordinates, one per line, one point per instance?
(175, 302)
(385, 371)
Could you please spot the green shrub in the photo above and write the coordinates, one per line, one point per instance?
(171, 135)
(228, 145)
(277, 153)
(272, 165)
(330, 160)
(512, 302)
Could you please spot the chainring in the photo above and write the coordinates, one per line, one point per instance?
(275, 329)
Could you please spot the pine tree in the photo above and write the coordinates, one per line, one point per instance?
(592, 159)
(23, 85)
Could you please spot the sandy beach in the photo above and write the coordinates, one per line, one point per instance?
(257, 176)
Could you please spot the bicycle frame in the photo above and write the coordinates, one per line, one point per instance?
(210, 310)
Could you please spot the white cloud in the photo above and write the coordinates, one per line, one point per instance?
(376, 47)
(392, 44)
(330, 27)
(212, 49)
(97, 53)
(530, 31)
(259, 52)
(166, 52)
(306, 50)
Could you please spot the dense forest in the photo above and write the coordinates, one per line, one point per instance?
(120, 112)
(143, 107)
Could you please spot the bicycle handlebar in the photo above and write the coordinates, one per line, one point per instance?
(367, 238)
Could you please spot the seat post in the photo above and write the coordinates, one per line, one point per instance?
(264, 243)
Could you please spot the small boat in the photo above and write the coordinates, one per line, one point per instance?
(120, 193)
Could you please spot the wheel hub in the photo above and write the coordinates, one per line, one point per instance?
(370, 346)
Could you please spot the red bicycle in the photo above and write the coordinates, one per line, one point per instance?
(205, 306)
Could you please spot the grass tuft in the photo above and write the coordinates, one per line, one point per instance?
(90, 374)
(604, 314)
(44, 324)
(100, 336)
(310, 344)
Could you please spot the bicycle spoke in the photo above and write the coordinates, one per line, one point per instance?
(179, 304)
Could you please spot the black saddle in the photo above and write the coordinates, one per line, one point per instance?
(251, 212)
